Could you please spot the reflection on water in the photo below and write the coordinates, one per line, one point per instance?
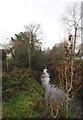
(52, 91)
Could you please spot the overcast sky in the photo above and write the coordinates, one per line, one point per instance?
(14, 14)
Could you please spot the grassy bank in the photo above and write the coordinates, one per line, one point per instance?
(22, 95)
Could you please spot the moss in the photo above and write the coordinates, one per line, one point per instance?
(28, 103)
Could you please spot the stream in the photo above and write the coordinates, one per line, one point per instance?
(52, 92)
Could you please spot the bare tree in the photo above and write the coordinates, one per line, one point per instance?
(27, 41)
(34, 33)
(72, 20)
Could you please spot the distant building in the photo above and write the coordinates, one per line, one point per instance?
(4, 47)
(8, 56)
